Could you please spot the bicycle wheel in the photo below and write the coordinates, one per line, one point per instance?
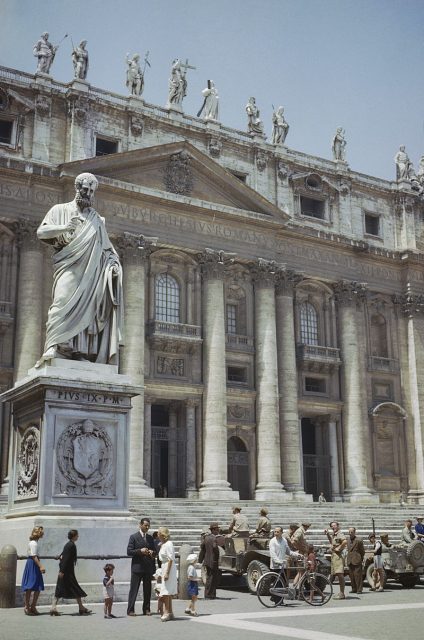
(270, 589)
(316, 589)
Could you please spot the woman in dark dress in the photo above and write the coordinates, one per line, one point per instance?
(67, 585)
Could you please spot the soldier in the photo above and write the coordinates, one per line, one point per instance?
(338, 544)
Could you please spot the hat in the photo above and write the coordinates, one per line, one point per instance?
(213, 525)
(192, 557)
(419, 517)
(293, 525)
(384, 534)
(306, 524)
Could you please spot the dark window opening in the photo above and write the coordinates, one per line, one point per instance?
(372, 225)
(236, 374)
(241, 176)
(312, 208)
(315, 385)
(105, 147)
(6, 128)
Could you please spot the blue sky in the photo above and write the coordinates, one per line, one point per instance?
(351, 63)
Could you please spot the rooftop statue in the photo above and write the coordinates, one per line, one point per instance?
(420, 174)
(210, 104)
(280, 127)
(339, 145)
(254, 123)
(85, 318)
(80, 60)
(45, 52)
(135, 76)
(404, 167)
(177, 88)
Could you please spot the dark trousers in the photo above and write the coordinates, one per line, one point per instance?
(356, 580)
(212, 580)
(136, 578)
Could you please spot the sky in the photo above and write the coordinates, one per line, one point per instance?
(350, 63)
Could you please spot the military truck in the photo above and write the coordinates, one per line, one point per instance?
(403, 563)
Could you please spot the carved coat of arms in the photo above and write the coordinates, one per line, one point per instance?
(28, 463)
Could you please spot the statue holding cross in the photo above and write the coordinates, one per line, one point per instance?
(177, 83)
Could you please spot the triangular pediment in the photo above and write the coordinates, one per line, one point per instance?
(178, 168)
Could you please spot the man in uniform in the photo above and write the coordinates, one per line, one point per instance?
(338, 544)
(355, 556)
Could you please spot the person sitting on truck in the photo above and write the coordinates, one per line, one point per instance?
(408, 535)
(419, 528)
(263, 528)
(239, 526)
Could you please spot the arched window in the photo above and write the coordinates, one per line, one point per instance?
(308, 324)
(167, 298)
(378, 336)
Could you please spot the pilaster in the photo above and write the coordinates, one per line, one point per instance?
(191, 490)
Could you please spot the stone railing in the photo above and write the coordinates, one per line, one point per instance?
(318, 358)
(376, 363)
(240, 343)
(159, 327)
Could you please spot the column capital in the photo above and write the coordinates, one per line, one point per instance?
(214, 263)
(265, 273)
(26, 234)
(350, 292)
(149, 399)
(287, 281)
(191, 402)
(134, 247)
(410, 304)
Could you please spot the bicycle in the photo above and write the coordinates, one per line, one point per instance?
(273, 587)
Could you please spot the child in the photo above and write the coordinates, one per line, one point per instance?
(108, 589)
(192, 586)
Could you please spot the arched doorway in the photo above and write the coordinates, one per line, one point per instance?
(238, 467)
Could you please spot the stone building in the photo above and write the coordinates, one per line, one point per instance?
(274, 302)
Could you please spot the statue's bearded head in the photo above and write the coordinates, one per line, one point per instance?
(85, 186)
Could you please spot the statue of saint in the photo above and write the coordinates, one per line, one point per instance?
(135, 76)
(280, 126)
(255, 125)
(85, 318)
(45, 52)
(177, 84)
(80, 60)
(420, 174)
(404, 167)
(210, 104)
(339, 145)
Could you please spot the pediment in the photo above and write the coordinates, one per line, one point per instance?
(182, 169)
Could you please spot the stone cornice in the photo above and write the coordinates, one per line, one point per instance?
(348, 292)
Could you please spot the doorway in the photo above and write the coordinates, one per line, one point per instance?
(238, 467)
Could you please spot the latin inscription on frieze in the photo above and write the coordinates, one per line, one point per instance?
(18, 192)
(87, 397)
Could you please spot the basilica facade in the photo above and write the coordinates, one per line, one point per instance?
(274, 301)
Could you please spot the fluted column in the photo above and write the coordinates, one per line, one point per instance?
(290, 432)
(29, 319)
(267, 424)
(334, 457)
(350, 297)
(214, 484)
(147, 453)
(191, 490)
(135, 250)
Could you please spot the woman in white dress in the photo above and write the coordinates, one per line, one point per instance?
(169, 573)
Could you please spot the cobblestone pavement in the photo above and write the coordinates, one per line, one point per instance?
(236, 615)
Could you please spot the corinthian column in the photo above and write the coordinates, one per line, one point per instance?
(28, 347)
(350, 297)
(214, 484)
(269, 485)
(290, 432)
(135, 250)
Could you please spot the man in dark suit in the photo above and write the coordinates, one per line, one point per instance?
(355, 556)
(209, 555)
(141, 550)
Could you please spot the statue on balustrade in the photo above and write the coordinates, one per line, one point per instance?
(85, 318)
(80, 60)
(339, 145)
(255, 125)
(210, 104)
(404, 167)
(280, 126)
(135, 76)
(45, 52)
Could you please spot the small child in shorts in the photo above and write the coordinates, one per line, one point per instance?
(192, 584)
(108, 589)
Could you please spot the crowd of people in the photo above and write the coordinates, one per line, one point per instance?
(153, 559)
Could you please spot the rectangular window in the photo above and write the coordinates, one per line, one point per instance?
(241, 176)
(6, 131)
(231, 318)
(237, 374)
(104, 147)
(372, 225)
(312, 208)
(315, 385)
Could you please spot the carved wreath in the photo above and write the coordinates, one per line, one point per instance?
(85, 455)
(28, 461)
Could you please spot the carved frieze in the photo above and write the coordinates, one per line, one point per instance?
(43, 106)
(215, 146)
(347, 292)
(166, 366)
(178, 175)
(238, 413)
(4, 100)
(137, 125)
(28, 459)
(78, 107)
(410, 304)
(214, 263)
(84, 454)
(282, 170)
(261, 158)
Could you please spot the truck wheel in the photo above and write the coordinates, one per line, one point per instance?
(254, 571)
(415, 553)
(409, 580)
(370, 579)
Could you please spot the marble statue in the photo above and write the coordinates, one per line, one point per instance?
(85, 318)
(339, 145)
(254, 123)
(280, 126)
(420, 174)
(135, 76)
(177, 88)
(45, 52)
(80, 60)
(210, 104)
(404, 167)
